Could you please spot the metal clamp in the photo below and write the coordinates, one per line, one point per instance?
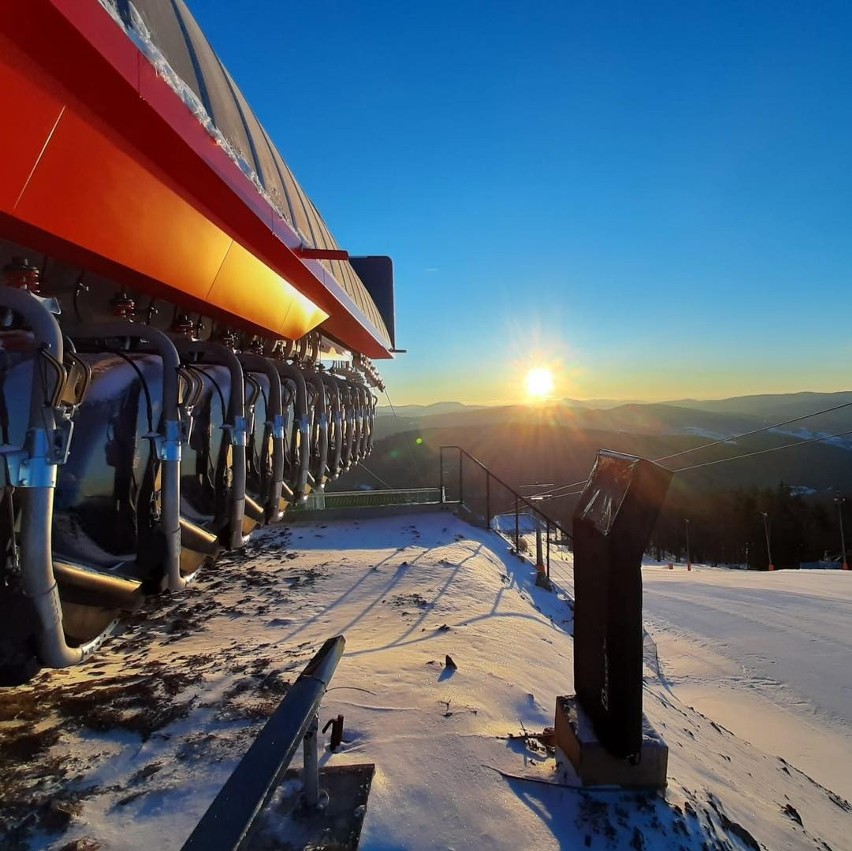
(238, 431)
(34, 473)
(186, 422)
(35, 465)
(279, 427)
(168, 445)
(62, 434)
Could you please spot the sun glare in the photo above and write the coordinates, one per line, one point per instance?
(539, 383)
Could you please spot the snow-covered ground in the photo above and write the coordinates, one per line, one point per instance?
(129, 749)
(768, 655)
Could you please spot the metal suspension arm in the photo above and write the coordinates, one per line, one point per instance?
(235, 424)
(33, 468)
(275, 420)
(301, 427)
(321, 424)
(171, 435)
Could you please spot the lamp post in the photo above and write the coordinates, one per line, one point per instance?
(840, 500)
(688, 559)
(768, 547)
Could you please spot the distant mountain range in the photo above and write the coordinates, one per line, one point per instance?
(774, 406)
(557, 441)
(710, 418)
(425, 410)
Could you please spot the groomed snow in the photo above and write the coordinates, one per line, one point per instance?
(769, 655)
(129, 749)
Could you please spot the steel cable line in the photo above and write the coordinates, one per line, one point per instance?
(720, 442)
(556, 491)
(387, 396)
(378, 478)
(750, 433)
(820, 439)
(410, 450)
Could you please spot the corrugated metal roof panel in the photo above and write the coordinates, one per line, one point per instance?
(177, 35)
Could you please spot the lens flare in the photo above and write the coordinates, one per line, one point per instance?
(539, 383)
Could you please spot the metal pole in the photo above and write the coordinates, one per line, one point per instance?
(461, 477)
(538, 552)
(768, 548)
(441, 465)
(487, 499)
(547, 532)
(310, 774)
(688, 559)
(840, 500)
(517, 528)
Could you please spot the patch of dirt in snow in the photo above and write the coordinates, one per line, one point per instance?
(42, 784)
(413, 601)
(63, 734)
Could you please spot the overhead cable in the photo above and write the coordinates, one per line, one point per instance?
(411, 451)
(819, 439)
(379, 478)
(558, 491)
(750, 433)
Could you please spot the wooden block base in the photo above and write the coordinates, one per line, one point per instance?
(578, 745)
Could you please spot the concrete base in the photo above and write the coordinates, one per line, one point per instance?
(288, 825)
(542, 580)
(577, 746)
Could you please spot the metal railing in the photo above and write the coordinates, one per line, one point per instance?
(228, 821)
(551, 526)
(371, 499)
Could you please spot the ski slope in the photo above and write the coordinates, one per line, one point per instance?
(760, 652)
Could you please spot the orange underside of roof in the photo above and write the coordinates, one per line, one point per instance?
(105, 167)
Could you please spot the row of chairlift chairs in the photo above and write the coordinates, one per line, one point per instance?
(164, 450)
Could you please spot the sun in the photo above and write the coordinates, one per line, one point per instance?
(539, 383)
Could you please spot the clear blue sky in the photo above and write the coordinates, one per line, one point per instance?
(652, 198)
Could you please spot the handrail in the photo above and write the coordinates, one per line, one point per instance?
(511, 490)
(518, 497)
(228, 821)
